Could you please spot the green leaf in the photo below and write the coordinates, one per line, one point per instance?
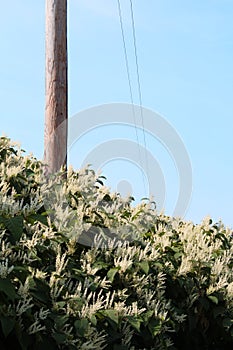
(41, 291)
(177, 255)
(7, 287)
(46, 343)
(24, 340)
(15, 226)
(159, 265)
(93, 320)
(112, 315)
(7, 325)
(120, 347)
(111, 273)
(60, 304)
(60, 338)
(60, 321)
(38, 217)
(135, 322)
(81, 327)
(144, 266)
(155, 327)
(100, 265)
(147, 315)
(29, 172)
(213, 299)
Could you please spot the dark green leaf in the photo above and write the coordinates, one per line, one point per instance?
(81, 327)
(60, 338)
(15, 226)
(147, 315)
(41, 291)
(38, 217)
(60, 321)
(135, 322)
(7, 325)
(155, 327)
(120, 347)
(7, 287)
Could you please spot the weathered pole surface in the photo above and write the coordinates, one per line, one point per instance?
(56, 89)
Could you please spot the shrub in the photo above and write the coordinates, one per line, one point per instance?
(82, 268)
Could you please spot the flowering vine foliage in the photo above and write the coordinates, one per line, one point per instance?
(95, 272)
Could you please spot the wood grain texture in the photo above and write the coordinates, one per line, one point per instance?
(56, 89)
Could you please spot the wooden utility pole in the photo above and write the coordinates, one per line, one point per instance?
(56, 90)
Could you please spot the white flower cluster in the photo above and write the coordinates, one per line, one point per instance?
(5, 270)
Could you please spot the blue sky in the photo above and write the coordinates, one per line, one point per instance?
(185, 53)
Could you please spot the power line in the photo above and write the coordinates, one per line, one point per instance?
(125, 51)
(130, 85)
(138, 80)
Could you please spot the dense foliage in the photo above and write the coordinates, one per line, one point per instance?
(81, 268)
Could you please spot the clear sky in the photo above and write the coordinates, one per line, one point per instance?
(185, 55)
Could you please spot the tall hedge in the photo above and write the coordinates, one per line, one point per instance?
(82, 268)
